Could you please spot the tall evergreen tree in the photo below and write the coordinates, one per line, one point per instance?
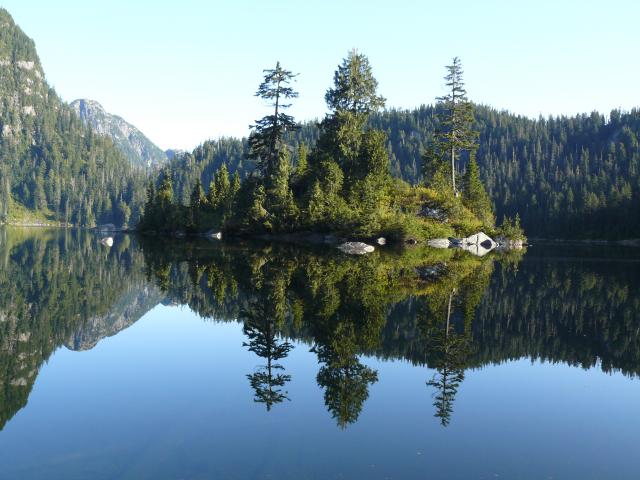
(455, 132)
(266, 139)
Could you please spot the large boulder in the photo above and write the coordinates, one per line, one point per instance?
(356, 248)
(481, 239)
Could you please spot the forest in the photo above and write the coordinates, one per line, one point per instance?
(567, 177)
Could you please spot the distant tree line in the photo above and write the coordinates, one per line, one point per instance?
(570, 177)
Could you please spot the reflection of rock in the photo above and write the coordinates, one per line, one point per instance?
(356, 248)
(439, 243)
(508, 243)
(480, 239)
(431, 272)
(478, 244)
(108, 241)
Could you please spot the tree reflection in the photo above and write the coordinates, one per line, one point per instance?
(450, 350)
(268, 380)
(345, 380)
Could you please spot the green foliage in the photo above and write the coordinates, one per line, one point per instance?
(475, 197)
(511, 229)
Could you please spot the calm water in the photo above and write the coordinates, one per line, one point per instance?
(169, 360)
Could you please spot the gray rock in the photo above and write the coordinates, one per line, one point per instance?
(356, 248)
(439, 243)
(431, 272)
(381, 241)
(480, 238)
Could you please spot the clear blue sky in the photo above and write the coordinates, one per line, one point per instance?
(184, 71)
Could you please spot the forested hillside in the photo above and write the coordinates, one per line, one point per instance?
(50, 163)
(566, 177)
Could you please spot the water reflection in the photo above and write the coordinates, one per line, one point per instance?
(443, 310)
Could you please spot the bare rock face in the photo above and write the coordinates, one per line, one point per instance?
(356, 248)
(140, 151)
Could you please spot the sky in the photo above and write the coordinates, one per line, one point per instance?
(187, 71)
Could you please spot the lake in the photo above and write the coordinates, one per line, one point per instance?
(173, 359)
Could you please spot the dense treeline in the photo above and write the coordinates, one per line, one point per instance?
(569, 177)
(50, 163)
(343, 184)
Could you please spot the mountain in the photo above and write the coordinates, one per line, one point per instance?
(140, 151)
(567, 177)
(53, 168)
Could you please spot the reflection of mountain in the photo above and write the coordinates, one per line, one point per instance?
(59, 288)
(136, 300)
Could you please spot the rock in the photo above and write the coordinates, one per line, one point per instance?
(213, 234)
(107, 241)
(480, 238)
(439, 243)
(356, 248)
(381, 241)
(434, 213)
(431, 272)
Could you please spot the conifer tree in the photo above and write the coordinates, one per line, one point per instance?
(474, 196)
(455, 130)
(266, 139)
(352, 99)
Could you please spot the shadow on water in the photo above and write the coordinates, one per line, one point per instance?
(442, 309)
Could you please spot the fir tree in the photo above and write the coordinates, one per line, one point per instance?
(474, 196)
(265, 141)
(455, 131)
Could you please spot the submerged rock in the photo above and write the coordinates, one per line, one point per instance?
(356, 248)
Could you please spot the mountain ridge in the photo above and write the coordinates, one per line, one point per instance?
(134, 144)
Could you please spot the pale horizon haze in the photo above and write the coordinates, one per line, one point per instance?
(184, 72)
